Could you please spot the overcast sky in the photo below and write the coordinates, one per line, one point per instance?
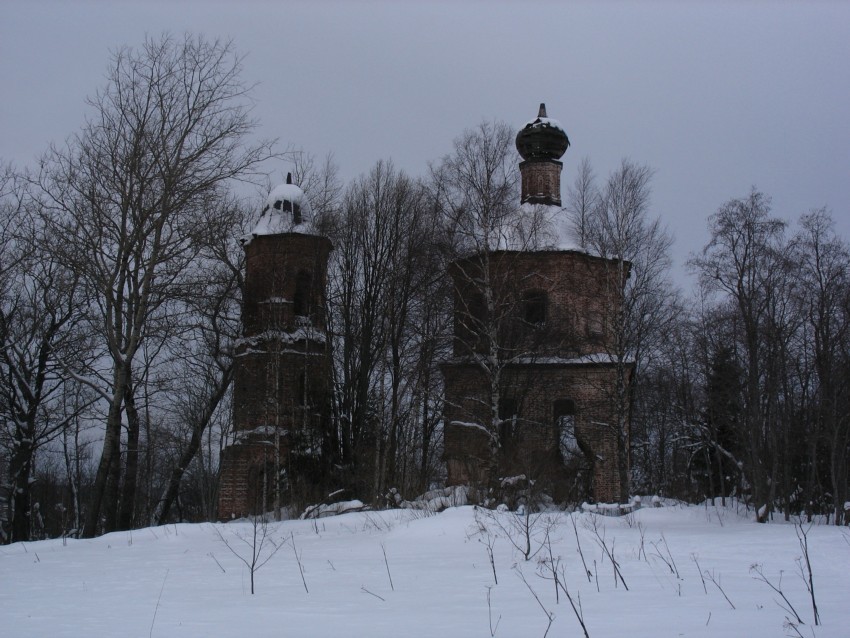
(715, 97)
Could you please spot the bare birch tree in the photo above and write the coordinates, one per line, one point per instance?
(824, 273)
(621, 229)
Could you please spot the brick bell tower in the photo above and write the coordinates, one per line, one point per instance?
(282, 367)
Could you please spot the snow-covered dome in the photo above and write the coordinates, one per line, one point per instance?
(542, 138)
(287, 210)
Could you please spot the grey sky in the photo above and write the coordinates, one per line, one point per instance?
(715, 97)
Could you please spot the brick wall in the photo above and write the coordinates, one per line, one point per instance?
(282, 370)
(272, 267)
(541, 182)
(583, 295)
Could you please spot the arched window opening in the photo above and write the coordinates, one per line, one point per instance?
(287, 206)
(302, 301)
(534, 307)
(564, 411)
(595, 326)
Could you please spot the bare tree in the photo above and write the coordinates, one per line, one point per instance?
(257, 548)
(621, 230)
(131, 192)
(824, 273)
(321, 183)
(741, 261)
(39, 314)
(582, 202)
(476, 190)
(377, 271)
(203, 358)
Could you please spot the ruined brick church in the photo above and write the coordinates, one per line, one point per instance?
(532, 387)
(529, 390)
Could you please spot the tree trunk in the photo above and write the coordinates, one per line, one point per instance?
(163, 507)
(111, 495)
(126, 516)
(426, 432)
(21, 470)
(110, 454)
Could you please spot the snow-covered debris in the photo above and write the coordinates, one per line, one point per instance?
(302, 333)
(511, 481)
(439, 499)
(610, 509)
(333, 509)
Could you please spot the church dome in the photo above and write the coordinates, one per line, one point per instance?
(542, 139)
(286, 210)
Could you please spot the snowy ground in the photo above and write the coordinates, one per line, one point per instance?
(182, 580)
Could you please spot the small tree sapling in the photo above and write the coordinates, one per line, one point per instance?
(259, 548)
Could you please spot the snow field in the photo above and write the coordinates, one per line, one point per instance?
(440, 570)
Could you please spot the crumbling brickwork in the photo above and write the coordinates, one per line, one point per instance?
(565, 358)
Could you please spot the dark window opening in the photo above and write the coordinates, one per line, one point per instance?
(277, 205)
(301, 389)
(507, 419)
(261, 488)
(296, 213)
(477, 307)
(534, 307)
(564, 407)
(302, 302)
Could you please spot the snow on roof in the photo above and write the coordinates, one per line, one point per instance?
(594, 358)
(289, 192)
(559, 235)
(287, 210)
